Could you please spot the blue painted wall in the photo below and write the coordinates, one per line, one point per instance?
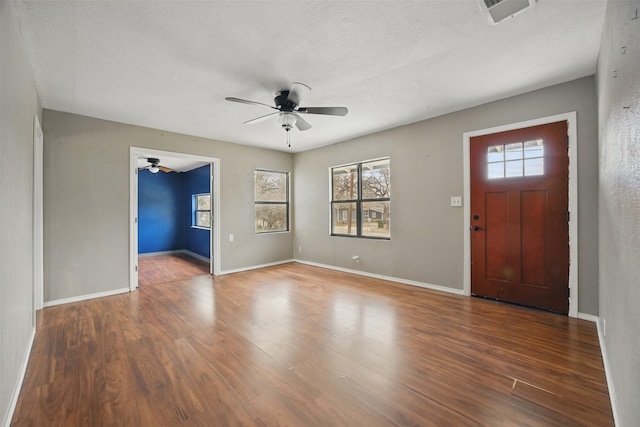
(165, 212)
(196, 182)
(160, 216)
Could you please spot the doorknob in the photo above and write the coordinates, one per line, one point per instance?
(476, 216)
(476, 228)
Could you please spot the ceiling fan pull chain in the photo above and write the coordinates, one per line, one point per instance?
(288, 138)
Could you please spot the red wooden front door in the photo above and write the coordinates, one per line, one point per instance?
(519, 216)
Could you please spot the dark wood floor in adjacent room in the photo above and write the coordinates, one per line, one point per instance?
(303, 346)
(156, 269)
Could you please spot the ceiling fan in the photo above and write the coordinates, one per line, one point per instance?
(154, 166)
(288, 110)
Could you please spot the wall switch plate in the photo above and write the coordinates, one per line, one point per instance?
(231, 237)
(456, 201)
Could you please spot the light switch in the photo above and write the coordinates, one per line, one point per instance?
(231, 237)
(456, 201)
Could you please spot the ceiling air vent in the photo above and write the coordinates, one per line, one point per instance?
(499, 10)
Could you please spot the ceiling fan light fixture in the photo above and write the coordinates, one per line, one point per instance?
(287, 120)
(154, 169)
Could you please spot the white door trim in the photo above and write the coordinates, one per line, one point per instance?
(135, 153)
(571, 118)
(38, 245)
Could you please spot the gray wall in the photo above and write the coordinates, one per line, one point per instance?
(619, 209)
(86, 202)
(18, 104)
(426, 170)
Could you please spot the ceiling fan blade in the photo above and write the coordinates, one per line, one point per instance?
(246, 101)
(301, 123)
(330, 111)
(297, 91)
(259, 119)
(165, 169)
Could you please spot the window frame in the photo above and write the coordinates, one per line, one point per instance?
(359, 200)
(194, 221)
(286, 203)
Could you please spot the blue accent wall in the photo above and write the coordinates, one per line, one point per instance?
(197, 181)
(160, 217)
(165, 211)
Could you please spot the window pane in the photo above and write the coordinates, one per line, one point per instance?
(271, 218)
(203, 219)
(533, 149)
(513, 151)
(376, 222)
(495, 153)
(203, 202)
(344, 219)
(375, 180)
(534, 167)
(345, 182)
(270, 186)
(513, 168)
(496, 170)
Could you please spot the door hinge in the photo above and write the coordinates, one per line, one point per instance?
(135, 220)
(567, 140)
(136, 268)
(569, 292)
(568, 216)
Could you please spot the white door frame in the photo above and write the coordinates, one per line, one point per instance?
(214, 235)
(38, 245)
(571, 118)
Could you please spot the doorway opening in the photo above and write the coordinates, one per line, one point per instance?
(157, 226)
(469, 222)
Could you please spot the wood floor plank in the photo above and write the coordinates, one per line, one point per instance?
(299, 345)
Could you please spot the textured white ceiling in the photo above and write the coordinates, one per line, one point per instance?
(170, 64)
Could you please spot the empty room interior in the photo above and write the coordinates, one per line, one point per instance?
(320, 213)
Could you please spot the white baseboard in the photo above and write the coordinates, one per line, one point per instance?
(589, 317)
(254, 267)
(195, 255)
(177, 251)
(608, 375)
(85, 297)
(18, 386)
(382, 277)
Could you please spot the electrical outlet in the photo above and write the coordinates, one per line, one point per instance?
(456, 201)
(356, 258)
(299, 249)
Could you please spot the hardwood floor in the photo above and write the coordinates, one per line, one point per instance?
(303, 346)
(156, 269)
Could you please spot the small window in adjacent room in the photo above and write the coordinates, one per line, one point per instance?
(202, 210)
(361, 199)
(271, 201)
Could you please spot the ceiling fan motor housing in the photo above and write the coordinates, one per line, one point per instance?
(283, 103)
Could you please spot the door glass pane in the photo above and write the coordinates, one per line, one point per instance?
(513, 151)
(496, 170)
(345, 182)
(513, 168)
(534, 167)
(377, 219)
(375, 180)
(495, 154)
(533, 149)
(344, 219)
